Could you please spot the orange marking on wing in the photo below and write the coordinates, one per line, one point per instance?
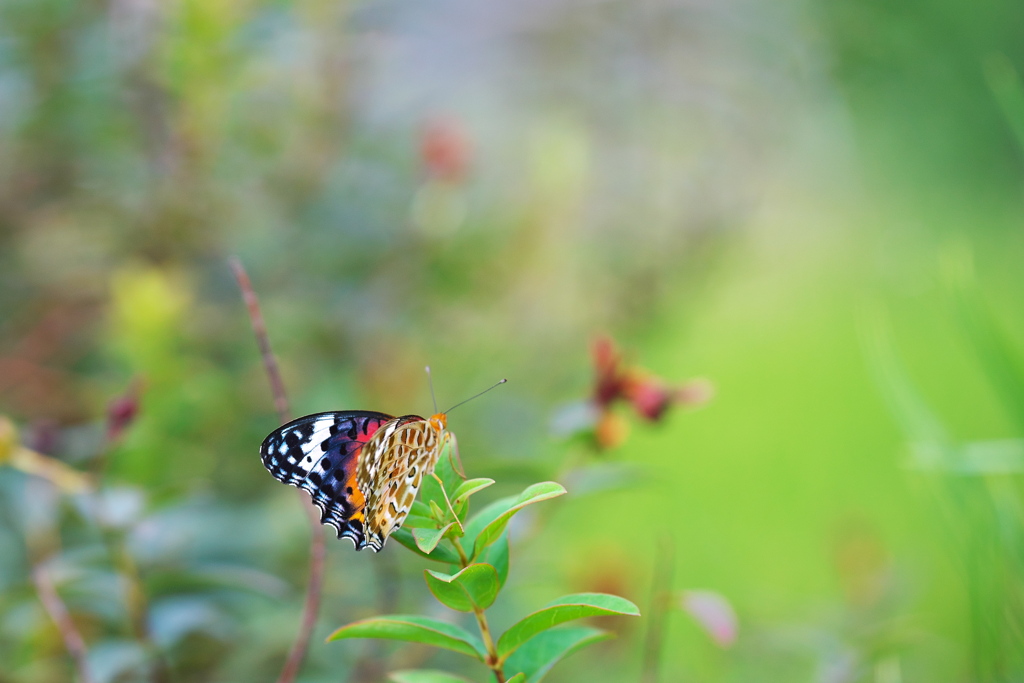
(356, 498)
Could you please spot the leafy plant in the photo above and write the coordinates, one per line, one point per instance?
(476, 551)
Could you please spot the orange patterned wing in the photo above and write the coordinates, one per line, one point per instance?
(391, 470)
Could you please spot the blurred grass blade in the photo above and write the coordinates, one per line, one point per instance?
(566, 608)
(1004, 81)
(997, 456)
(475, 587)
(931, 445)
(425, 676)
(999, 359)
(536, 658)
(414, 629)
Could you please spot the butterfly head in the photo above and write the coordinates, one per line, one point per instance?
(439, 421)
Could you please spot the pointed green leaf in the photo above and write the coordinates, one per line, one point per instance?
(468, 488)
(414, 629)
(486, 515)
(427, 539)
(425, 676)
(476, 586)
(439, 554)
(518, 678)
(536, 658)
(496, 555)
(460, 497)
(492, 520)
(564, 609)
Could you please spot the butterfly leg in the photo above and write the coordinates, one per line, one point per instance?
(459, 470)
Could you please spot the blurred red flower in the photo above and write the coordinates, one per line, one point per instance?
(122, 411)
(649, 395)
(445, 149)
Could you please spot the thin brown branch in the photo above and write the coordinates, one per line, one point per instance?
(58, 611)
(259, 329)
(317, 546)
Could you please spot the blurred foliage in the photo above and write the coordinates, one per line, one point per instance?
(816, 206)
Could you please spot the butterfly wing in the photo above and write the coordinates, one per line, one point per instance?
(391, 471)
(320, 454)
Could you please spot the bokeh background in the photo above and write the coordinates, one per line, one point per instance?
(815, 206)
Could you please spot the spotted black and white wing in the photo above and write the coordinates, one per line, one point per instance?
(320, 454)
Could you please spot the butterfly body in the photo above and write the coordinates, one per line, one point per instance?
(362, 469)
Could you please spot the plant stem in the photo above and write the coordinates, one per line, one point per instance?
(55, 607)
(661, 588)
(493, 661)
(317, 546)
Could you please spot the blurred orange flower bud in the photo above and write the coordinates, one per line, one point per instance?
(611, 430)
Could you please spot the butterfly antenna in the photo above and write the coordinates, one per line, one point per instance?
(477, 396)
(430, 381)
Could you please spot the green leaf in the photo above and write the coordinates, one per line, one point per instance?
(460, 498)
(444, 470)
(448, 505)
(414, 629)
(425, 676)
(468, 488)
(518, 678)
(427, 539)
(487, 515)
(436, 511)
(496, 555)
(419, 522)
(563, 609)
(536, 658)
(488, 524)
(476, 586)
(439, 554)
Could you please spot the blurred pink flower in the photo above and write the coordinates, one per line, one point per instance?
(714, 614)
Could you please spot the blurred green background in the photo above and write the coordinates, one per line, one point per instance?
(817, 207)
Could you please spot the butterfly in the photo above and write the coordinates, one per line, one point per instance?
(362, 468)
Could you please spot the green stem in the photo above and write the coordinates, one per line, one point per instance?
(493, 661)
